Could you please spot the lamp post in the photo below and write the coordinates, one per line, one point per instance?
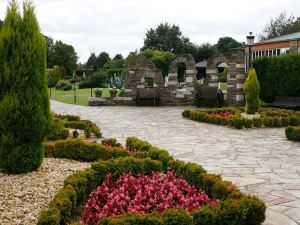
(74, 78)
(91, 79)
(250, 42)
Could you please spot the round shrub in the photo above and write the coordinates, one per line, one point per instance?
(277, 122)
(252, 89)
(268, 122)
(63, 85)
(248, 123)
(75, 134)
(257, 122)
(24, 100)
(84, 84)
(294, 121)
(87, 132)
(238, 123)
(292, 133)
(186, 113)
(285, 121)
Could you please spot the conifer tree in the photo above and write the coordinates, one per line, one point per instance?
(24, 101)
(252, 89)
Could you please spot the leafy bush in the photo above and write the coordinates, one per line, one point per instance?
(257, 122)
(268, 121)
(75, 134)
(278, 76)
(84, 84)
(121, 93)
(239, 123)
(248, 123)
(252, 89)
(292, 133)
(24, 100)
(87, 132)
(63, 85)
(62, 134)
(78, 149)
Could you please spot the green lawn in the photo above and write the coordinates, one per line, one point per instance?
(82, 95)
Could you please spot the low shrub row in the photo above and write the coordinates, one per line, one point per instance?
(293, 133)
(234, 207)
(60, 122)
(78, 149)
(268, 118)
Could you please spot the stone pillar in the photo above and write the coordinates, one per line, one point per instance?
(235, 84)
(212, 79)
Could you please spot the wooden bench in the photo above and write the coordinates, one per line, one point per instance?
(286, 102)
(145, 95)
(209, 96)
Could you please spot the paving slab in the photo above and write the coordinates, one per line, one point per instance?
(259, 161)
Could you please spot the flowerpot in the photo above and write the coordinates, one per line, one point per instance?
(98, 95)
(113, 94)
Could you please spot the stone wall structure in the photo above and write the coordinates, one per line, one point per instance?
(172, 92)
(235, 59)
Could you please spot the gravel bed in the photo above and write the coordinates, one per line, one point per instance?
(23, 196)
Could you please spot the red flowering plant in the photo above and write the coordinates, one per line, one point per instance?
(142, 195)
(224, 114)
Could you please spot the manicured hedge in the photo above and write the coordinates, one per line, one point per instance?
(78, 149)
(278, 76)
(234, 207)
(293, 133)
(269, 117)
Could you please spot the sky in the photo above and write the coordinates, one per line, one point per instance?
(119, 26)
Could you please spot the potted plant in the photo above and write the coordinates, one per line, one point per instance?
(98, 92)
(113, 92)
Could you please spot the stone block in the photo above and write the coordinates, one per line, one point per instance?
(172, 82)
(131, 71)
(211, 71)
(213, 84)
(172, 75)
(239, 86)
(190, 71)
(128, 90)
(189, 79)
(214, 77)
(240, 66)
(140, 86)
(239, 98)
(179, 95)
(241, 76)
(142, 80)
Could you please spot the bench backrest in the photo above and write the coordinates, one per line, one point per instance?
(209, 92)
(147, 93)
(281, 99)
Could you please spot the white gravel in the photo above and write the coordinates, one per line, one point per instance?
(23, 196)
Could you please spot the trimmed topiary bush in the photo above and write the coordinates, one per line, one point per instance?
(292, 133)
(239, 123)
(24, 100)
(257, 122)
(252, 89)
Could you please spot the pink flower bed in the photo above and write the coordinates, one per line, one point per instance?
(142, 194)
(224, 114)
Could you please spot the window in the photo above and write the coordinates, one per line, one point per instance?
(270, 53)
(181, 72)
(149, 82)
(278, 51)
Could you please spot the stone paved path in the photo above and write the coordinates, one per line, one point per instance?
(259, 161)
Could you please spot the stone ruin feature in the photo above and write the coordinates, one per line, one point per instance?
(180, 86)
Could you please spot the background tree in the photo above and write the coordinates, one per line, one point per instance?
(92, 61)
(162, 60)
(1, 24)
(167, 37)
(65, 56)
(205, 51)
(118, 57)
(102, 59)
(49, 51)
(226, 43)
(54, 75)
(130, 60)
(281, 25)
(24, 101)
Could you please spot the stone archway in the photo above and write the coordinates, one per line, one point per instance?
(235, 60)
(184, 63)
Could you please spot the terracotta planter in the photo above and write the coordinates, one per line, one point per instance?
(98, 94)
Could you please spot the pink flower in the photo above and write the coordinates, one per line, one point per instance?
(142, 195)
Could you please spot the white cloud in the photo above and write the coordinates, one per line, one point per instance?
(119, 26)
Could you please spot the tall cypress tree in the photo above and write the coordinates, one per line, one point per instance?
(24, 101)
